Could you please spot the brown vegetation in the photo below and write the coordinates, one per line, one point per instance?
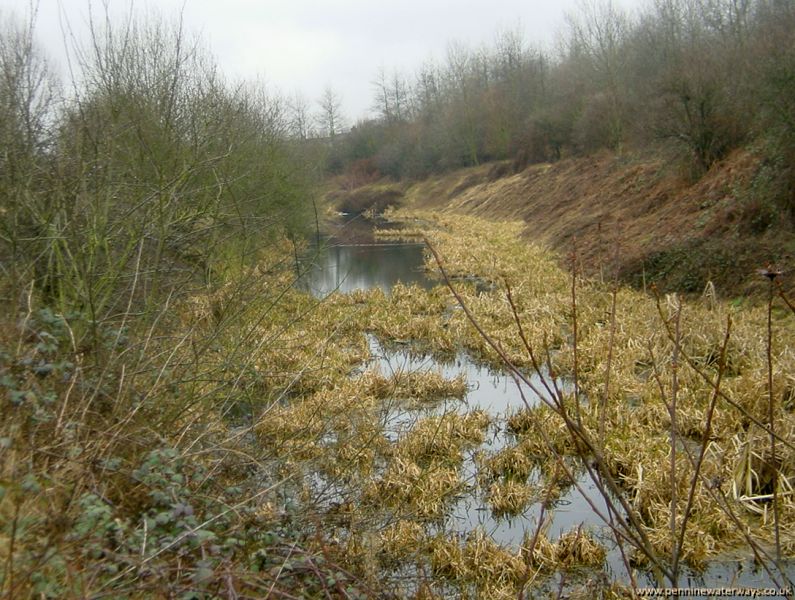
(634, 215)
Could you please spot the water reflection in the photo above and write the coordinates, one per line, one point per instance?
(361, 267)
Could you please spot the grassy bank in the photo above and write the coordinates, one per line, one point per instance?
(634, 213)
(149, 213)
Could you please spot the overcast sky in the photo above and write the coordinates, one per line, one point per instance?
(304, 45)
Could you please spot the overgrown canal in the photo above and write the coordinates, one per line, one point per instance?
(501, 499)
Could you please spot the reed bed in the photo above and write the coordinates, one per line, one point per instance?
(530, 308)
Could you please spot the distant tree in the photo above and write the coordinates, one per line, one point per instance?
(509, 53)
(391, 96)
(773, 53)
(300, 122)
(596, 45)
(382, 103)
(465, 82)
(400, 96)
(426, 93)
(692, 76)
(330, 118)
(27, 98)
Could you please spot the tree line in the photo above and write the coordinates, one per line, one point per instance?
(700, 77)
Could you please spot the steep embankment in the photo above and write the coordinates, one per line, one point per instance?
(636, 213)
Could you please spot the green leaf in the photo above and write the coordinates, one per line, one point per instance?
(30, 484)
(203, 535)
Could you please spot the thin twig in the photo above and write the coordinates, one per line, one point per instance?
(704, 438)
(672, 411)
(771, 422)
(574, 331)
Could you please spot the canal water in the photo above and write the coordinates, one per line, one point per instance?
(344, 268)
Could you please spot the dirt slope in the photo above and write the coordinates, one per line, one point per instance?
(634, 214)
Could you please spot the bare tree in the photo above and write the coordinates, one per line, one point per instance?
(300, 124)
(391, 96)
(28, 101)
(596, 41)
(400, 96)
(330, 119)
(382, 103)
(27, 95)
(426, 97)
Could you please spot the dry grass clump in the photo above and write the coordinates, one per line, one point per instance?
(649, 489)
(279, 340)
(403, 234)
(494, 571)
(447, 558)
(753, 472)
(549, 434)
(575, 548)
(413, 314)
(422, 473)
(314, 417)
(539, 551)
(511, 497)
(416, 300)
(407, 488)
(515, 462)
(336, 429)
(578, 548)
(523, 421)
(424, 386)
(403, 539)
(356, 452)
(442, 439)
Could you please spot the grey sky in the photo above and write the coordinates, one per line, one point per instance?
(303, 45)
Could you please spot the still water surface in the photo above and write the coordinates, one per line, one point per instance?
(344, 268)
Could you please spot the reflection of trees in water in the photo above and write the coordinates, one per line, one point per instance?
(349, 268)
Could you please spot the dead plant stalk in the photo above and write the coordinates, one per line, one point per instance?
(771, 413)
